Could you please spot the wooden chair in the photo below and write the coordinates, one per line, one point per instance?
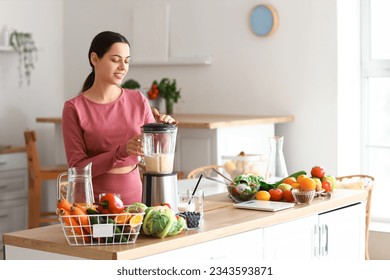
(37, 175)
(360, 181)
(206, 170)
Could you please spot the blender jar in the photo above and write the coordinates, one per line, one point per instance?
(159, 140)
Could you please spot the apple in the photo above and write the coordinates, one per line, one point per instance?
(318, 184)
(285, 187)
(331, 179)
(287, 196)
(327, 185)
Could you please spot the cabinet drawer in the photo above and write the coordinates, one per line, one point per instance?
(13, 161)
(13, 215)
(13, 187)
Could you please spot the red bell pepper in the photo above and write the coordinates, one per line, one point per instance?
(110, 203)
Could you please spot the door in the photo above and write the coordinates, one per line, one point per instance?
(342, 233)
(294, 240)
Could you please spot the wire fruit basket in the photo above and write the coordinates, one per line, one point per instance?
(101, 229)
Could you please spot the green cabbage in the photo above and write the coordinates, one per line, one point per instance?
(136, 207)
(160, 221)
(178, 226)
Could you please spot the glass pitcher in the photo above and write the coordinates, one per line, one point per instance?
(78, 188)
(276, 167)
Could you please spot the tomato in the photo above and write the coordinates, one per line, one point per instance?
(318, 172)
(110, 203)
(327, 185)
(287, 196)
(276, 194)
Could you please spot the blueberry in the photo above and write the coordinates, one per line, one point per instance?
(192, 218)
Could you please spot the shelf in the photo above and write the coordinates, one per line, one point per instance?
(6, 49)
(197, 60)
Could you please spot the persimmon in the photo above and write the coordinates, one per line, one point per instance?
(290, 180)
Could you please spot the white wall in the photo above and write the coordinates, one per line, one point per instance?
(19, 106)
(293, 71)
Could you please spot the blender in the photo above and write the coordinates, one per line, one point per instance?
(159, 180)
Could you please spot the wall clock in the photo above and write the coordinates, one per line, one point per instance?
(263, 20)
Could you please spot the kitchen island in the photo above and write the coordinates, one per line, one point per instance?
(301, 233)
(205, 138)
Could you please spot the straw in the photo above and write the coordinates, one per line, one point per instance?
(196, 187)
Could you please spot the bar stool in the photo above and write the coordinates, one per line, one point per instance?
(37, 175)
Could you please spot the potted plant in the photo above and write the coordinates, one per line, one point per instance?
(167, 90)
(131, 84)
(24, 45)
(153, 101)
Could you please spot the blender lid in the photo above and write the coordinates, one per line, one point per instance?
(161, 127)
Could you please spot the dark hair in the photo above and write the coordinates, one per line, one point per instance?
(100, 45)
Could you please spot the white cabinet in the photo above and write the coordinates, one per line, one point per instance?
(226, 248)
(291, 240)
(197, 147)
(334, 235)
(337, 234)
(342, 233)
(13, 193)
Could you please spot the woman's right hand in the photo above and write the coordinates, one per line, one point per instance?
(134, 146)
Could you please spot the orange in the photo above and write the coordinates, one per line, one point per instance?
(307, 184)
(136, 220)
(300, 177)
(122, 218)
(290, 180)
(295, 185)
(263, 195)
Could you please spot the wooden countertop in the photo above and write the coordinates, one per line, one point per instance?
(208, 121)
(220, 220)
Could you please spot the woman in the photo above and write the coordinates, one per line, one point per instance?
(103, 123)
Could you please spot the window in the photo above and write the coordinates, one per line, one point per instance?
(376, 102)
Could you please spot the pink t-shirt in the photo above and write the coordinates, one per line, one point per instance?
(98, 133)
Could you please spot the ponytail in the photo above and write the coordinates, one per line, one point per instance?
(88, 81)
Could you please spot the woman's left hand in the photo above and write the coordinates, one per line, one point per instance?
(134, 146)
(162, 118)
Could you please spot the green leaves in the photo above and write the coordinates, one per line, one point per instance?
(131, 84)
(24, 45)
(167, 89)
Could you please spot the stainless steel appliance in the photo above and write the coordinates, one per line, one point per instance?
(160, 188)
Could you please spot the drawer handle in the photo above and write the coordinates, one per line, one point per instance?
(3, 187)
(3, 162)
(3, 216)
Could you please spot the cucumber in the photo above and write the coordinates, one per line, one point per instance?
(295, 175)
(267, 186)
